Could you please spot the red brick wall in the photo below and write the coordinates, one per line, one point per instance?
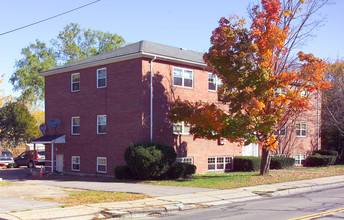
(122, 101)
(126, 103)
(164, 93)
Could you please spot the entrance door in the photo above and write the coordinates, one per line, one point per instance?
(59, 162)
(250, 150)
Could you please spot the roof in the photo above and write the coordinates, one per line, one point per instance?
(132, 51)
(48, 139)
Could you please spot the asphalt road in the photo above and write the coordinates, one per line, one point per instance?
(322, 204)
(14, 174)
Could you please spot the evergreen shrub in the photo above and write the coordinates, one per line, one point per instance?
(247, 163)
(149, 161)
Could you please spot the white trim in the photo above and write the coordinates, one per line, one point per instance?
(182, 127)
(103, 158)
(183, 78)
(279, 91)
(101, 124)
(218, 81)
(101, 78)
(301, 123)
(299, 158)
(59, 140)
(151, 99)
(75, 163)
(71, 82)
(278, 133)
(185, 160)
(72, 125)
(224, 163)
(115, 60)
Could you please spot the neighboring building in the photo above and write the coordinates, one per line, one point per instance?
(103, 104)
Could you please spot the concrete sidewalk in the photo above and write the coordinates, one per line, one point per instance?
(174, 202)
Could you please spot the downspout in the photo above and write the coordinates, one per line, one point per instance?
(151, 99)
(318, 120)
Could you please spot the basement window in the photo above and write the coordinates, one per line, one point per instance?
(101, 165)
(220, 163)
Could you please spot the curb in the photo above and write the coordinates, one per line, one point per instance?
(153, 211)
(298, 189)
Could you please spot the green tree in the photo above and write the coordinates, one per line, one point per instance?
(332, 114)
(72, 44)
(37, 58)
(17, 125)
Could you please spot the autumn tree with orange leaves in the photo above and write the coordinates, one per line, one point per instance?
(253, 65)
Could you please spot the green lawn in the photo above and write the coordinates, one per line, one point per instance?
(243, 179)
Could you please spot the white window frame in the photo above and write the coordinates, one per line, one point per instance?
(300, 129)
(303, 93)
(283, 128)
(98, 164)
(299, 158)
(216, 163)
(279, 155)
(74, 125)
(72, 82)
(280, 91)
(183, 132)
(98, 124)
(188, 160)
(98, 78)
(72, 163)
(218, 82)
(183, 70)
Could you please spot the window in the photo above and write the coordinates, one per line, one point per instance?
(282, 131)
(101, 124)
(101, 78)
(188, 160)
(75, 163)
(214, 83)
(303, 93)
(101, 164)
(301, 129)
(75, 125)
(181, 128)
(182, 77)
(280, 91)
(220, 163)
(300, 159)
(279, 155)
(75, 80)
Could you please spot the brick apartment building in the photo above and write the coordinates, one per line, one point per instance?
(107, 102)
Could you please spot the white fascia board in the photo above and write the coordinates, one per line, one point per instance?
(59, 140)
(63, 69)
(118, 59)
(175, 60)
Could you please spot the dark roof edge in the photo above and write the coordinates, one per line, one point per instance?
(118, 59)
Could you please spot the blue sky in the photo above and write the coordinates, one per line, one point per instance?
(186, 24)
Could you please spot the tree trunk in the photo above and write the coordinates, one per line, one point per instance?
(265, 164)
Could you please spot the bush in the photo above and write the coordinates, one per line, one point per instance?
(242, 163)
(123, 172)
(181, 170)
(149, 161)
(281, 162)
(333, 154)
(318, 160)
